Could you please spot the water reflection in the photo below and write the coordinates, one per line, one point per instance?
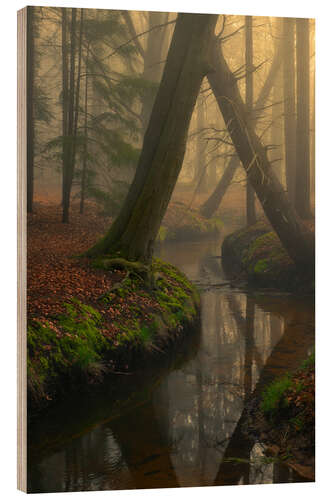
(188, 431)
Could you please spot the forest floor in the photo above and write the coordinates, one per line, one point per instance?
(80, 317)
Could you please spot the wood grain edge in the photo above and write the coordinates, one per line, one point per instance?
(21, 249)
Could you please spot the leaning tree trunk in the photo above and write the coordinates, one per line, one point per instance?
(213, 202)
(298, 242)
(134, 231)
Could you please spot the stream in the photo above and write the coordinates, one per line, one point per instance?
(183, 427)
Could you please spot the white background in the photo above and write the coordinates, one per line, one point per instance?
(322, 11)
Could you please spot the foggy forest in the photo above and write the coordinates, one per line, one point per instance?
(170, 202)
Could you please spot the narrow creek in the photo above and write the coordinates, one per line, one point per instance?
(183, 428)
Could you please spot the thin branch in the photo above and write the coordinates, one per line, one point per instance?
(157, 26)
(128, 20)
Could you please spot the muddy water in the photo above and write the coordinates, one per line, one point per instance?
(183, 426)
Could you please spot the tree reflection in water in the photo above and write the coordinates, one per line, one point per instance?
(189, 430)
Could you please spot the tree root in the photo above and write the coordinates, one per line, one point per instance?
(133, 268)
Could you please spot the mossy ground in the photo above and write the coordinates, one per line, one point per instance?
(184, 223)
(255, 252)
(285, 421)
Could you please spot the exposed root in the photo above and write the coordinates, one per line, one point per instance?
(133, 268)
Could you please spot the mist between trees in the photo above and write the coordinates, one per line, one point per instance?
(125, 107)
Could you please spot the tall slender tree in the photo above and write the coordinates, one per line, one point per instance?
(289, 104)
(276, 155)
(85, 141)
(200, 177)
(30, 105)
(69, 120)
(302, 193)
(250, 199)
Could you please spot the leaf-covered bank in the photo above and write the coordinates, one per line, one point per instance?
(106, 320)
(256, 254)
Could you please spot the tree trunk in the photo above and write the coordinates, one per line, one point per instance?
(250, 200)
(134, 231)
(77, 102)
(200, 177)
(64, 49)
(302, 193)
(289, 104)
(313, 143)
(85, 144)
(67, 160)
(30, 107)
(212, 204)
(276, 154)
(298, 242)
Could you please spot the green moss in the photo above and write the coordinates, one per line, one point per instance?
(255, 252)
(309, 362)
(274, 396)
(72, 347)
(261, 266)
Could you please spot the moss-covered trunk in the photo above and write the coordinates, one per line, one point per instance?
(134, 231)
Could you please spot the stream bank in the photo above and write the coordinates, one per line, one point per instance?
(88, 321)
(283, 419)
(181, 425)
(255, 254)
